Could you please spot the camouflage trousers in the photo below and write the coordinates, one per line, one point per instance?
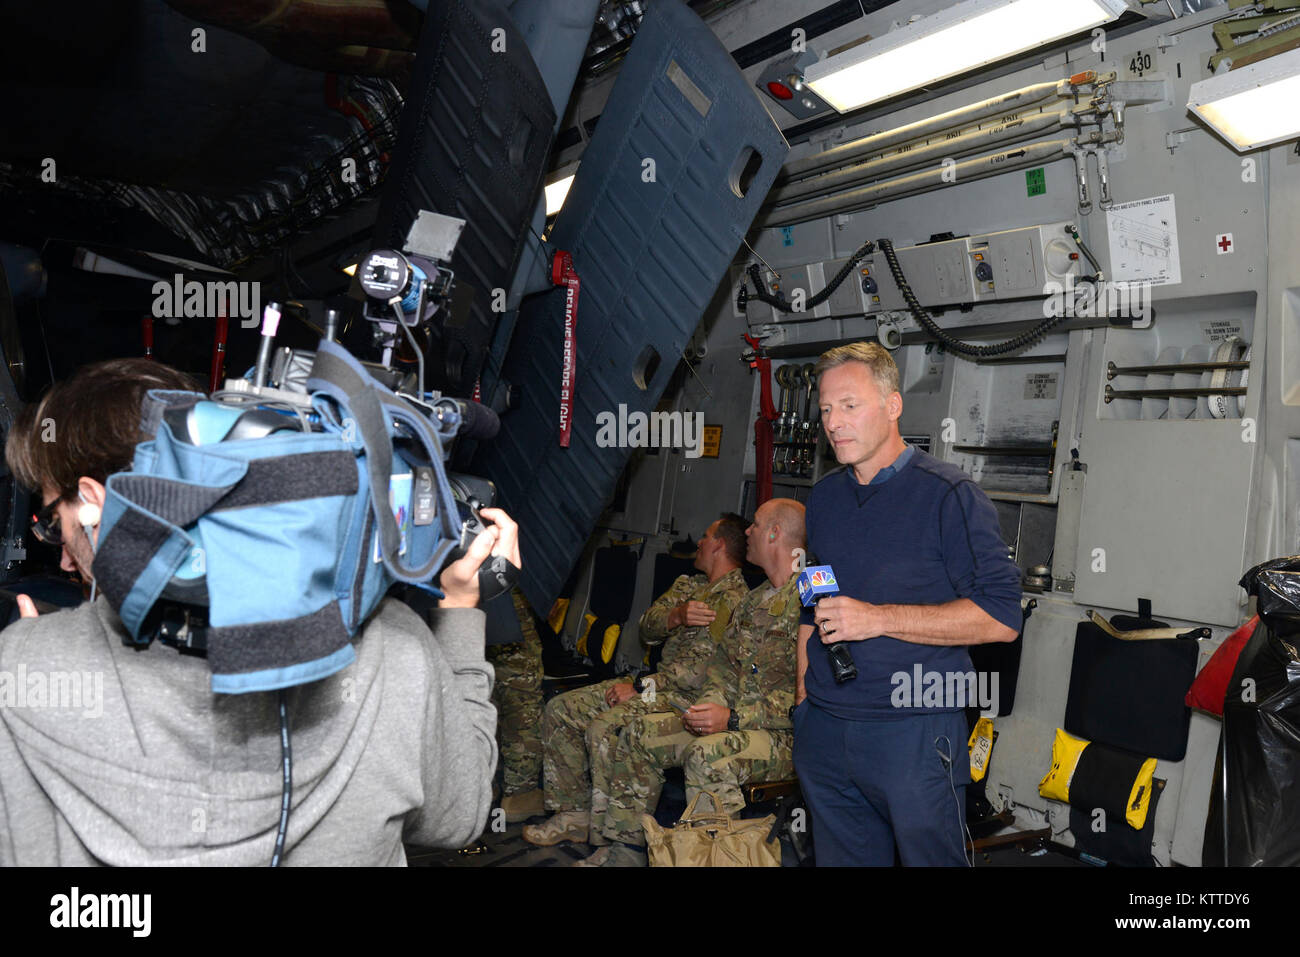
(517, 694)
(720, 763)
(578, 733)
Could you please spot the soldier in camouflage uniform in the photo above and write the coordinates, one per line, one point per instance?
(739, 729)
(517, 694)
(580, 727)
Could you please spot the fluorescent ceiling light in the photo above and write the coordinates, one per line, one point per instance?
(1253, 105)
(963, 37)
(556, 192)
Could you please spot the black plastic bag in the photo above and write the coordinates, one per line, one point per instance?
(1261, 732)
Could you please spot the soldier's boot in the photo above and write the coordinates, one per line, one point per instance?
(616, 855)
(561, 826)
(595, 860)
(522, 806)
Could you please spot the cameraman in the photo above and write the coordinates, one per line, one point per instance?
(130, 759)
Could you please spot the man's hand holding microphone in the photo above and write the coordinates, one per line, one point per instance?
(839, 619)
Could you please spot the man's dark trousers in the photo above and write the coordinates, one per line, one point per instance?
(876, 784)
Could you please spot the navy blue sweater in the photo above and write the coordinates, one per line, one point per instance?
(921, 533)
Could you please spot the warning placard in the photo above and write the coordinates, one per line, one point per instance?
(712, 441)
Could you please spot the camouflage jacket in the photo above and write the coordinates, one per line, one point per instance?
(687, 651)
(753, 669)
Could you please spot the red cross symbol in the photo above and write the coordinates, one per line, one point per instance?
(1224, 243)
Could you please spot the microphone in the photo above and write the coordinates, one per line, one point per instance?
(477, 421)
(815, 583)
(270, 323)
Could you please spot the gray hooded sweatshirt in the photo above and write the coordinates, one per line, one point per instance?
(110, 755)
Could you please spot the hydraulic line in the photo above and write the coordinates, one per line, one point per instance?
(965, 349)
(1007, 130)
(963, 116)
(780, 302)
(981, 167)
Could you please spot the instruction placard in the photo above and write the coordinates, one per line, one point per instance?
(1216, 330)
(1041, 385)
(1144, 242)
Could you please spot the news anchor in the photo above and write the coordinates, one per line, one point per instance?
(921, 572)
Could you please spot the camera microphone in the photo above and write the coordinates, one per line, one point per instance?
(477, 421)
(817, 582)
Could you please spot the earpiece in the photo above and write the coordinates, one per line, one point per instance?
(88, 514)
(771, 536)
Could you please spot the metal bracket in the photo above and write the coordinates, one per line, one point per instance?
(1081, 169)
(1177, 138)
(1140, 92)
(1103, 177)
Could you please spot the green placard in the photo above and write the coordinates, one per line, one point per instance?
(1036, 181)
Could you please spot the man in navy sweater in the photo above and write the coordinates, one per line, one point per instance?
(922, 572)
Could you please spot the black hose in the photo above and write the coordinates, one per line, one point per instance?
(965, 349)
(780, 302)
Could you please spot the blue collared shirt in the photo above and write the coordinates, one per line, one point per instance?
(889, 471)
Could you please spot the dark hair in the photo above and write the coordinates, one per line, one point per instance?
(88, 424)
(731, 530)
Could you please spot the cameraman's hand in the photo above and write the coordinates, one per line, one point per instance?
(459, 580)
(26, 607)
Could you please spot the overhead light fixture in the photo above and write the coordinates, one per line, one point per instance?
(556, 192)
(1254, 105)
(963, 37)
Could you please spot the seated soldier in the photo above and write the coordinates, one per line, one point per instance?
(579, 727)
(739, 728)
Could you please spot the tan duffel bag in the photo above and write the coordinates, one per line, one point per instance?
(712, 840)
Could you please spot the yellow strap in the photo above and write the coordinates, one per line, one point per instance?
(609, 643)
(1142, 634)
(587, 622)
(981, 745)
(559, 612)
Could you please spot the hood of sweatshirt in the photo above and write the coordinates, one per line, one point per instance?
(131, 752)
